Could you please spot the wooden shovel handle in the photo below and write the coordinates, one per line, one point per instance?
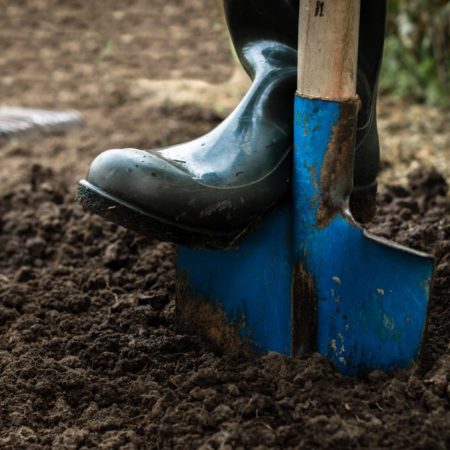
(328, 48)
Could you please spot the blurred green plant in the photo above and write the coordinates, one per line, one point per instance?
(417, 51)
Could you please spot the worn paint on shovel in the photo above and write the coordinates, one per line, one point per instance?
(371, 295)
(309, 278)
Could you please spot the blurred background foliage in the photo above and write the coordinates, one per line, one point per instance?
(417, 51)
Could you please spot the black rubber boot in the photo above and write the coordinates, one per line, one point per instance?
(209, 191)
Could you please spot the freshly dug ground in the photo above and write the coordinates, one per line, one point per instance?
(89, 356)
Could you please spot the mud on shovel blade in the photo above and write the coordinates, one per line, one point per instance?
(367, 296)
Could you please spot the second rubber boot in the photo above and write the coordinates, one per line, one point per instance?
(209, 191)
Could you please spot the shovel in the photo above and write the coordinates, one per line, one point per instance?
(309, 278)
(367, 296)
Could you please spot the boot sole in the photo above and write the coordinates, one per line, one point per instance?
(129, 216)
(93, 199)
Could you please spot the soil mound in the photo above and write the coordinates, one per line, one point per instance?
(89, 357)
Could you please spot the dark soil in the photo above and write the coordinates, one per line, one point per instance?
(89, 357)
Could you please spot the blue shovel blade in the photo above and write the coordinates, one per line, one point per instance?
(368, 296)
(371, 298)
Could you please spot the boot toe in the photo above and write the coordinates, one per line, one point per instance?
(138, 178)
(142, 181)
